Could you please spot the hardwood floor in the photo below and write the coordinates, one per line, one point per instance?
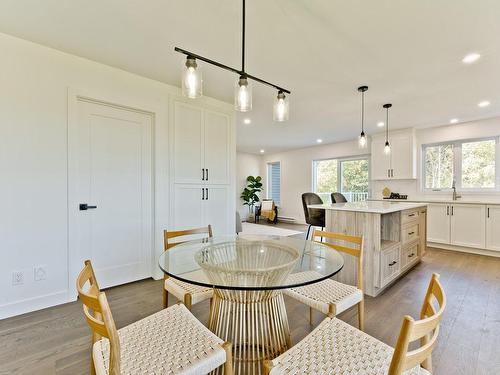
(56, 340)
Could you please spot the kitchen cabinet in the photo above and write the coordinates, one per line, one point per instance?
(493, 227)
(468, 225)
(202, 145)
(202, 155)
(438, 223)
(390, 264)
(422, 217)
(400, 163)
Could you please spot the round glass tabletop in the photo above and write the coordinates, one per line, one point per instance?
(251, 262)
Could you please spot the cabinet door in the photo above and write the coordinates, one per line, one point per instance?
(423, 232)
(380, 162)
(390, 264)
(402, 162)
(216, 206)
(188, 143)
(493, 228)
(468, 225)
(217, 147)
(438, 223)
(188, 207)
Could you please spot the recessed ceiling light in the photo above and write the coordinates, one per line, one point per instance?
(262, 151)
(380, 124)
(453, 121)
(319, 140)
(484, 103)
(471, 58)
(247, 121)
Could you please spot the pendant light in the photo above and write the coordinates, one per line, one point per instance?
(243, 95)
(191, 79)
(280, 108)
(387, 147)
(362, 136)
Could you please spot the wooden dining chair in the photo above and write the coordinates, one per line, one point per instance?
(330, 296)
(170, 341)
(188, 293)
(335, 347)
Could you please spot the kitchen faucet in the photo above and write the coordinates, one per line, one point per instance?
(455, 196)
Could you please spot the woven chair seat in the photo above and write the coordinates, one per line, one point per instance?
(180, 288)
(337, 348)
(171, 341)
(320, 295)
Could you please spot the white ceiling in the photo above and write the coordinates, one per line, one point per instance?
(408, 52)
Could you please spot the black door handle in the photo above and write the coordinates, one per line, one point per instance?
(85, 207)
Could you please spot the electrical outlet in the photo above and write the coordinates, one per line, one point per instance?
(17, 278)
(40, 273)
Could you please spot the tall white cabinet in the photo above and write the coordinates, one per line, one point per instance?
(202, 167)
(400, 163)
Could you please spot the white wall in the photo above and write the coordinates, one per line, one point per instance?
(468, 130)
(246, 165)
(296, 172)
(34, 83)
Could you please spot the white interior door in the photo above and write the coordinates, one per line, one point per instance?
(217, 141)
(113, 162)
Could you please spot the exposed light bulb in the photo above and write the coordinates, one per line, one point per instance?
(243, 95)
(280, 110)
(362, 140)
(191, 79)
(387, 148)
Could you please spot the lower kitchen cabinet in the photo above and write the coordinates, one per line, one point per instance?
(468, 225)
(493, 227)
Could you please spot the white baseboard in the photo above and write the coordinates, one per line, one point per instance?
(464, 249)
(35, 303)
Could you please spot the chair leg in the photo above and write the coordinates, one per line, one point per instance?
(361, 315)
(228, 365)
(311, 315)
(92, 366)
(188, 301)
(165, 298)
(267, 366)
(308, 230)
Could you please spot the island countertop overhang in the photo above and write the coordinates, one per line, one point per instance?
(375, 207)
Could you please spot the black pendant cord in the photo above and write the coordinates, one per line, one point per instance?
(363, 112)
(243, 41)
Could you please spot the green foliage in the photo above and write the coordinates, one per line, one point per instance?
(354, 176)
(249, 193)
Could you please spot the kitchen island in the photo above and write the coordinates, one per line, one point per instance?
(394, 236)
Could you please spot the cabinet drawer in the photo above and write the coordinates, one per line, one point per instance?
(409, 255)
(410, 233)
(409, 216)
(389, 265)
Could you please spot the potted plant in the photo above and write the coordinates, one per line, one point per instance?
(249, 194)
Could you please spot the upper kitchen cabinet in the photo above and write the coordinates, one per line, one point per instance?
(202, 145)
(401, 163)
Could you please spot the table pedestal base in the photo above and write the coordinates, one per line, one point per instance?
(255, 322)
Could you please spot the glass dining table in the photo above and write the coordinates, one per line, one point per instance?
(248, 274)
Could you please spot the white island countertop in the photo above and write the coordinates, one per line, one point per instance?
(374, 207)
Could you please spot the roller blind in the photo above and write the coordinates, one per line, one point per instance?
(274, 181)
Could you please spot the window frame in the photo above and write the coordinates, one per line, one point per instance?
(457, 165)
(339, 170)
(269, 182)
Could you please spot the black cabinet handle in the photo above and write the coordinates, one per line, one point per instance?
(202, 194)
(410, 233)
(392, 263)
(411, 255)
(207, 174)
(85, 207)
(207, 190)
(203, 174)
(411, 215)
(488, 212)
(451, 210)
(447, 210)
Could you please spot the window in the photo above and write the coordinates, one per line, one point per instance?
(274, 182)
(471, 164)
(348, 176)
